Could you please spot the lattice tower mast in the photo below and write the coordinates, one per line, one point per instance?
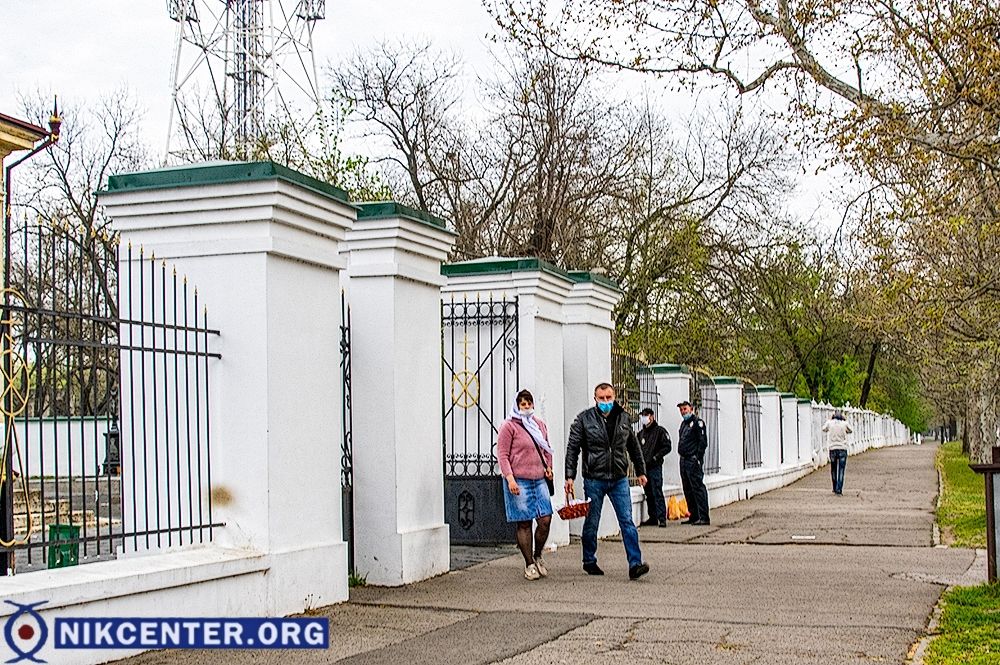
(235, 64)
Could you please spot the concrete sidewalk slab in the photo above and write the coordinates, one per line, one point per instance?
(889, 498)
(497, 636)
(738, 592)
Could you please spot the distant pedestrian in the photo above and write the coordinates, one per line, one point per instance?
(604, 434)
(837, 430)
(655, 444)
(525, 458)
(692, 441)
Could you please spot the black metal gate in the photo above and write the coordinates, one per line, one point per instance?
(347, 432)
(481, 376)
(751, 427)
(705, 398)
(635, 390)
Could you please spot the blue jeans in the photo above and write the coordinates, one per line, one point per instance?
(621, 501)
(838, 464)
(654, 493)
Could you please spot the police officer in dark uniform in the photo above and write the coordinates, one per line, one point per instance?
(691, 445)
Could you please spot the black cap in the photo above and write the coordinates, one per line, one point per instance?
(685, 403)
(646, 412)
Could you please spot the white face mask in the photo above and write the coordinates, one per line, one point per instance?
(526, 413)
(643, 420)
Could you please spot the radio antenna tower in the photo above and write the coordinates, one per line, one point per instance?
(237, 64)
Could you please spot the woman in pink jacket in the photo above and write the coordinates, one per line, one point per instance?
(526, 464)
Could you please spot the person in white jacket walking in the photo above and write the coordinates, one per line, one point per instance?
(837, 430)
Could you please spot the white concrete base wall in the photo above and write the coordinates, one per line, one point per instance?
(49, 444)
(197, 582)
(725, 489)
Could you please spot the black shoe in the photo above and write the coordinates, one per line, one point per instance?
(635, 572)
(592, 569)
(650, 522)
(701, 523)
(690, 521)
(662, 524)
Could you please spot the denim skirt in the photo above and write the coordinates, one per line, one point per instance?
(532, 502)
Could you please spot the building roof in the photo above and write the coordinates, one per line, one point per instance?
(26, 127)
(18, 134)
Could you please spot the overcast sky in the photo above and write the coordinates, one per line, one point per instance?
(80, 49)
(83, 48)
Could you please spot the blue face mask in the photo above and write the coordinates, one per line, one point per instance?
(687, 416)
(605, 407)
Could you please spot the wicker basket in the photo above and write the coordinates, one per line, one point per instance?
(574, 508)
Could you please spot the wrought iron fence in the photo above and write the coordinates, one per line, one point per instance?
(705, 399)
(91, 465)
(820, 414)
(347, 432)
(751, 427)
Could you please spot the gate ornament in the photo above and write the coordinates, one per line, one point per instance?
(13, 402)
(465, 384)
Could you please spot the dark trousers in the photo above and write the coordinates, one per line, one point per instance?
(654, 493)
(695, 492)
(838, 465)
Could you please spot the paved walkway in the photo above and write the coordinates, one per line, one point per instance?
(796, 576)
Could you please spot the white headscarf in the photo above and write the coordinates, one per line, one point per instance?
(533, 429)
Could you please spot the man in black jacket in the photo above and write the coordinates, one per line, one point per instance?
(655, 444)
(604, 434)
(691, 445)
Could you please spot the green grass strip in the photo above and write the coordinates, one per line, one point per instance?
(962, 515)
(969, 628)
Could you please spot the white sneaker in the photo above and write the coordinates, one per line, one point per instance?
(531, 572)
(540, 565)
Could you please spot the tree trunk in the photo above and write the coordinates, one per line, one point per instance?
(867, 386)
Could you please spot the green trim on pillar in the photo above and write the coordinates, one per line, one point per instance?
(804, 400)
(495, 265)
(669, 368)
(389, 209)
(788, 395)
(220, 173)
(726, 380)
(766, 389)
(596, 278)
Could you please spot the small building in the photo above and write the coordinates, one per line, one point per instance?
(18, 135)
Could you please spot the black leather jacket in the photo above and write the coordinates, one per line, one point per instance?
(693, 439)
(603, 460)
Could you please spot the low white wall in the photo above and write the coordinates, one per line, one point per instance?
(63, 447)
(798, 430)
(198, 582)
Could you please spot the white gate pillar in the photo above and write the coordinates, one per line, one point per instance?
(806, 453)
(262, 245)
(770, 427)
(730, 392)
(673, 382)
(395, 281)
(790, 429)
(586, 362)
